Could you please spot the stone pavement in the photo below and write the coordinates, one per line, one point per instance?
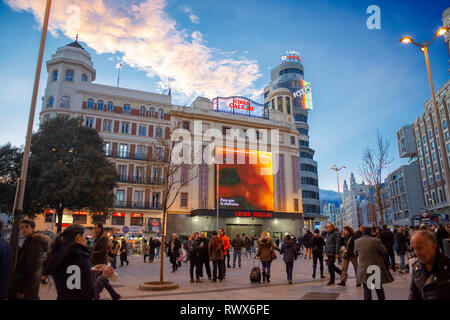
(237, 285)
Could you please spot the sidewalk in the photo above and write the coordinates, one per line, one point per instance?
(237, 285)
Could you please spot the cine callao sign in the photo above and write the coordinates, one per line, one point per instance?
(240, 106)
(256, 214)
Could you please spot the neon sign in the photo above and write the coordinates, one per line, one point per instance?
(291, 56)
(240, 106)
(305, 93)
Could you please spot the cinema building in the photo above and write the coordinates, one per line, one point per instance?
(130, 121)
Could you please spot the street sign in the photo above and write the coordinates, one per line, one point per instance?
(125, 229)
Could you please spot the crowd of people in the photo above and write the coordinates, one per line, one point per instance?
(420, 251)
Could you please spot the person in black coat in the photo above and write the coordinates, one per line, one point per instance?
(193, 249)
(204, 255)
(387, 238)
(402, 245)
(123, 252)
(173, 251)
(430, 279)
(152, 246)
(289, 252)
(307, 243)
(441, 234)
(349, 253)
(69, 265)
(5, 265)
(317, 245)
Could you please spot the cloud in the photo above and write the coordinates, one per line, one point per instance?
(148, 40)
(192, 16)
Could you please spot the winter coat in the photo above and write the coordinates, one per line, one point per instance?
(204, 250)
(332, 243)
(307, 239)
(226, 244)
(237, 243)
(436, 286)
(175, 253)
(27, 276)
(289, 251)
(114, 247)
(124, 250)
(99, 253)
(78, 255)
(193, 250)
(5, 267)
(402, 243)
(441, 234)
(370, 252)
(247, 243)
(387, 238)
(265, 247)
(349, 244)
(317, 244)
(215, 248)
(145, 249)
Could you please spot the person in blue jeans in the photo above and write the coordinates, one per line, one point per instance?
(237, 244)
(265, 254)
(158, 247)
(332, 251)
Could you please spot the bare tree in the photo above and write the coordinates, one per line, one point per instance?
(169, 176)
(373, 163)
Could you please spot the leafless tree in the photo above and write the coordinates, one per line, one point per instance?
(373, 163)
(170, 176)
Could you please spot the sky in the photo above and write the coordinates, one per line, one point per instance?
(362, 79)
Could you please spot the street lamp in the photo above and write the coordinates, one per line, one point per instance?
(216, 164)
(424, 48)
(335, 168)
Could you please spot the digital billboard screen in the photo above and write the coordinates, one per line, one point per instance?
(240, 106)
(245, 185)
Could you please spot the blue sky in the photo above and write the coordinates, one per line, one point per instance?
(362, 80)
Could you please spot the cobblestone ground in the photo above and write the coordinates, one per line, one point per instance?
(237, 286)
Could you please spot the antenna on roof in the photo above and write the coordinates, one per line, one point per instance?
(169, 92)
(76, 39)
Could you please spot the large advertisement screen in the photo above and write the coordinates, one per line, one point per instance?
(247, 182)
(239, 105)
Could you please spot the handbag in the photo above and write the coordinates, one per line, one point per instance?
(345, 251)
(274, 255)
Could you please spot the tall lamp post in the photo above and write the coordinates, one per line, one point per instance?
(335, 168)
(216, 165)
(424, 48)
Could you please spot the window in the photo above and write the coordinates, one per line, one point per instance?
(302, 131)
(288, 105)
(224, 130)
(161, 113)
(155, 200)
(186, 125)
(120, 196)
(432, 145)
(303, 143)
(140, 154)
(137, 219)
(292, 140)
(107, 125)
(139, 174)
(310, 181)
(123, 173)
(418, 143)
(158, 132)
(69, 75)
(300, 117)
(107, 148)
(138, 200)
(65, 102)
(151, 113)
(426, 149)
(126, 108)
(123, 150)
(444, 124)
(304, 154)
(308, 167)
(421, 163)
(295, 204)
(55, 75)
(83, 78)
(110, 106)
(446, 135)
(90, 104)
(430, 134)
(50, 102)
(89, 122)
(118, 219)
(125, 127)
(142, 130)
(434, 156)
(184, 198)
(273, 104)
(100, 105)
(142, 111)
(428, 160)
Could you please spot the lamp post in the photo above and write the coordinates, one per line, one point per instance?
(424, 48)
(216, 165)
(335, 168)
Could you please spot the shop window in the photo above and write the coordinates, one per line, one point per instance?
(184, 200)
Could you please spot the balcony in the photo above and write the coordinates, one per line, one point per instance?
(137, 205)
(128, 155)
(140, 179)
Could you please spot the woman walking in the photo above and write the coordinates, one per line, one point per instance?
(173, 251)
(123, 253)
(349, 254)
(193, 251)
(289, 252)
(266, 254)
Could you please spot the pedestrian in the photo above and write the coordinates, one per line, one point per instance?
(204, 255)
(266, 254)
(332, 251)
(185, 247)
(387, 238)
(70, 249)
(441, 234)
(173, 251)
(307, 243)
(277, 241)
(145, 249)
(26, 277)
(158, 247)
(226, 246)
(402, 243)
(5, 265)
(247, 245)
(317, 244)
(359, 233)
(113, 249)
(237, 244)
(215, 249)
(123, 253)
(289, 252)
(152, 249)
(370, 251)
(348, 254)
(99, 256)
(194, 257)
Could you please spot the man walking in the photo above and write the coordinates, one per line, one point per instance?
(113, 249)
(317, 244)
(204, 255)
(247, 245)
(237, 244)
(332, 251)
(173, 251)
(226, 246)
(215, 250)
(307, 243)
(387, 238)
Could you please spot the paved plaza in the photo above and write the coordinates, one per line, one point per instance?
(237, 285)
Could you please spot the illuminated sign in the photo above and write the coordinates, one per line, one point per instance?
(80, 213)
(242, 186)
(291, 56)
(257, 214)
(137, 215)
(240, 106)
(118, 214)
(154, 225)
(305, 93)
